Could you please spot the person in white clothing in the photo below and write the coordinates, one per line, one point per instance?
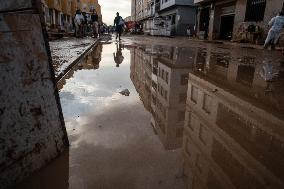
(78, 20)
(276, 25)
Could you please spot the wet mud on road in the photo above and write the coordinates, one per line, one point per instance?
(65, 51)
(149, 115)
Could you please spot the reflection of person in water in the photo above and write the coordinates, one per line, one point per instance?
(118, 57)
(97, 54)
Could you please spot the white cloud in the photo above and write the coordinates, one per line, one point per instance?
(110, 7)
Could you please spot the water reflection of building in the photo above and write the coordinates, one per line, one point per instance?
(93, 59)
(141, 71)
(160, 76)
(90, 62)
(234, 128)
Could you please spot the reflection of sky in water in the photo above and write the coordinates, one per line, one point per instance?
(91, 90)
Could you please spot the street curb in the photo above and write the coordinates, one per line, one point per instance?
(70, 66)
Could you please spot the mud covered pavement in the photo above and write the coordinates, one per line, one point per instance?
(65, 51)
(197, 115)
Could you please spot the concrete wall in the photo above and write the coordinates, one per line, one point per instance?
(32, 130)
(273, 7)
(184, 15)
(170, 3)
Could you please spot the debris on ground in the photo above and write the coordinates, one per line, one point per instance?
(125, 92)
(65, 51)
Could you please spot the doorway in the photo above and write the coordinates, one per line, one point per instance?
(204, 21)
(227, 27)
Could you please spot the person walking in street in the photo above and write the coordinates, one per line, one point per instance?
(95, 24)
(276, 25)
(118, 23)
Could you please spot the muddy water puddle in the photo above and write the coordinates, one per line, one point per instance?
(153, 116)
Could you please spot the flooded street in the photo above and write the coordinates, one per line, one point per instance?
(152, 116)
(112, 141)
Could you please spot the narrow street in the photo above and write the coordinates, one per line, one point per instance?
(142, 94)
(133, 117)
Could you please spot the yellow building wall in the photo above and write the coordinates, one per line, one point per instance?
(66, 7)
(55, 4)
(86, 5)
(69, 7)
(74, 6)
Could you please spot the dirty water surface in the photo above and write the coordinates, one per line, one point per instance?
(153, 116)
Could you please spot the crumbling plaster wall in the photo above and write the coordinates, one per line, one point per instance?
(32, 130)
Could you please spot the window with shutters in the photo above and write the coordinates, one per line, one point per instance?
(255, 10)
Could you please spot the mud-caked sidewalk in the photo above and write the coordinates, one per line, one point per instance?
(65, 52)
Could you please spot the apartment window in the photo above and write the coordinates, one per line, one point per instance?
(181, 115)
(194, 94)
(155, 70)
(207, 103)
(255, 10)
(154, 100)
(166, 95)
(204, 19)
(184, 79)
(162, 91)
(190, 121)
(179, 132)
(182, 98)
(173, 19)
(154, 85)
(167, 77)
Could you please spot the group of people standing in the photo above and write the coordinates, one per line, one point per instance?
(84, 22)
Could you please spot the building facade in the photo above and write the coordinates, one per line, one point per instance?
(59, 13)
(164, 17)
(159, 75)
(233, 132)
(89, 5)
(238, 20)
(225, 105)
(55, 13)
(179, 14)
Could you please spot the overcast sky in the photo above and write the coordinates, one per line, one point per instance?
(110, 7)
